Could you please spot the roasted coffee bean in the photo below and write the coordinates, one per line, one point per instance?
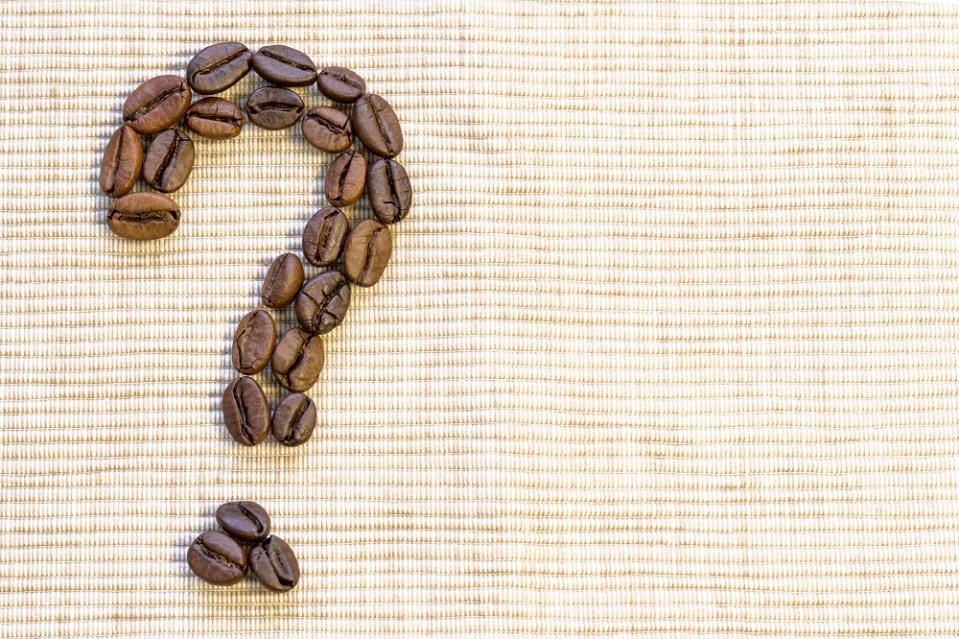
(246, 521)
(245, 411)
(272, 562)
(324, 235)
(389, 192)
(375, 123)
(274, 108)
(157, 104)
(284, 66)
(215, 118)
(253, 342)
(328, 129)
(340, 84)
(322, 302)
(122, 161)
(168, 161)
(282, 281)
(367, 252)
(143, 216)
(297, 360)
(218, 67)
(294, 420)
(346, 178)
(217, 559)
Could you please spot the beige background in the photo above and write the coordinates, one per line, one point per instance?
(668, 346)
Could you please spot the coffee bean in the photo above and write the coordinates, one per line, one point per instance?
(346, 178)
(322, 302)
(246, 521)
(143, 216)
(168, 161)
(215, 118)
(284, 66)
(324, 235)
(122, 161)
(376, 125)
(218, 67)
(282, 281)
(272, 562)
(274, 108)
(297, 360)
(245, 411)
(340, 84)
(294, 420)
(253, 342)
(217, 559)
(157, 104)
(328, 129)
(389, 192)
(367, 252)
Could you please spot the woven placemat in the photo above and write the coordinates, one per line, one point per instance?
(668, 346)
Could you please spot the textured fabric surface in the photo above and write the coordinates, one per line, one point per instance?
(668, 346)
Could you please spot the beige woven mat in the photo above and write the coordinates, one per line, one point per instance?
(668, 346)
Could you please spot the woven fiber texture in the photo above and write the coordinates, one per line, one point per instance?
(667, 348)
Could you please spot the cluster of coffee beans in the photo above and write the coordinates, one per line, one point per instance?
(223, 558)
(356, 254)
(153, 112)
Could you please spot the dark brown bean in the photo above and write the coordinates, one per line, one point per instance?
(217, 559)
(346, 178)
(294, 420)
(246, 521)
(324, 235)
(253, 342)
(215, 118)
(218, 67)
(245, 411)
(297, 360)
(274, 108)
(322, 302)
(157, 104)
(377, 126)
(122, 161)
(273, 563)
(328, 129)
(282, 282)
(143, 216)
(168, 161)
(389, 192)
(366, 252)
(340, 84)
(284, 66)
